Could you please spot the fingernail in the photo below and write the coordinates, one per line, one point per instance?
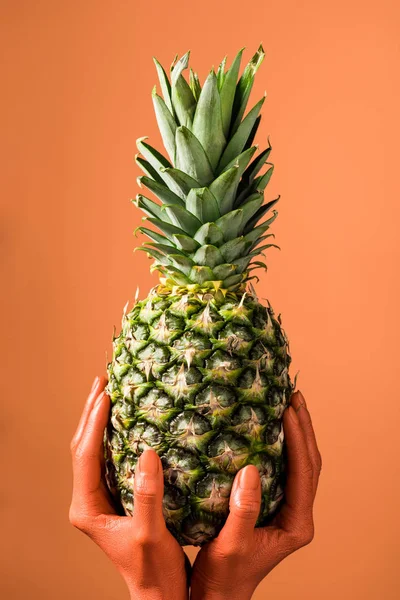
(303, 400)
(99, 399)
(297, 401)
(293, 416)
(148, 463)
(95, 382)
(249, 479)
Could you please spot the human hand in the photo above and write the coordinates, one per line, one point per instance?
(233, 564)
(148, 557)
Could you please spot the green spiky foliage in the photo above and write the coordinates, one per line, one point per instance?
(200, 368)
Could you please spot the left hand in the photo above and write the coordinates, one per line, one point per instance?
(145, 553)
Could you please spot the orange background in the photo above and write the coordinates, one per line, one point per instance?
(75, 95)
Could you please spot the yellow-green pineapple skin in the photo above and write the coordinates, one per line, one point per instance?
(203, 380)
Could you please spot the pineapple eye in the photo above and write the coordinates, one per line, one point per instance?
(222, 360)
(273, 397)
(224, 396)
(258, 351)
(191, 339)
(274, 428)
(173, 500)
(158, 354)
(228, 452)
(247, 413)
(189, 422)
(238, 331)
(249, 378)
(219, 483)
(140, 331)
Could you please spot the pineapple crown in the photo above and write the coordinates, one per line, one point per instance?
(211, 193)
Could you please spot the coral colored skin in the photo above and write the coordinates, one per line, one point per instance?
(232, 565)
(151, 561)
(148, 557)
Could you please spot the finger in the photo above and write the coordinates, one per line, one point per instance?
(299, 404)
(299, 484)
(148, 486)
(88, 459)
(244, 508)
(98, 385)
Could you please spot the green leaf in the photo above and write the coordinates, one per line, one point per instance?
(260, 239)
(261, 248)
(179, 181)
(178, 67)
(209, 233)
(183, 100)
(191, 158)
(165, 84)
(250, 225)
(201, 274)
(208, 255)
(182, 218)
(148, 169)
(151, 208)
(225, 186)
(186, 243)
(263, 181)
(253, 132)
(224, 189)
(232, 281)
(161, 191)
(228, 89)
(181, 262)
(207, 122)
(194, 85)
(244, 87)
(242, 263)
(166, 124)
(257, 185)
(230, 224)
(153, 235)
(256, 165)
(257, 232)
(173, 63)
(155, 158)
(238, 141)
(221, 73)
(235, 248)
(223, 271)
(168, 250)
(174, 275)
(167, 228)
(242, 161)
(260, 265)
(251, 206)
(259, 215)
(203, 205)
(161, 258)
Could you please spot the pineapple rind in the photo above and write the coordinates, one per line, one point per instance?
(208, 395)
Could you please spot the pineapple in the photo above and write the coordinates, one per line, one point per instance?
(200, 368)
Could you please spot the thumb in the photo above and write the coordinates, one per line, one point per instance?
(148, 493)
(244, 506)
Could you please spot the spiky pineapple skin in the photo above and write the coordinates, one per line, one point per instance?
(202, 378)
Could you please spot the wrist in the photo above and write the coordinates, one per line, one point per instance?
(155, 593)
(212, 594)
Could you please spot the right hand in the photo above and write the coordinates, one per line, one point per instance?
(233, 564)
